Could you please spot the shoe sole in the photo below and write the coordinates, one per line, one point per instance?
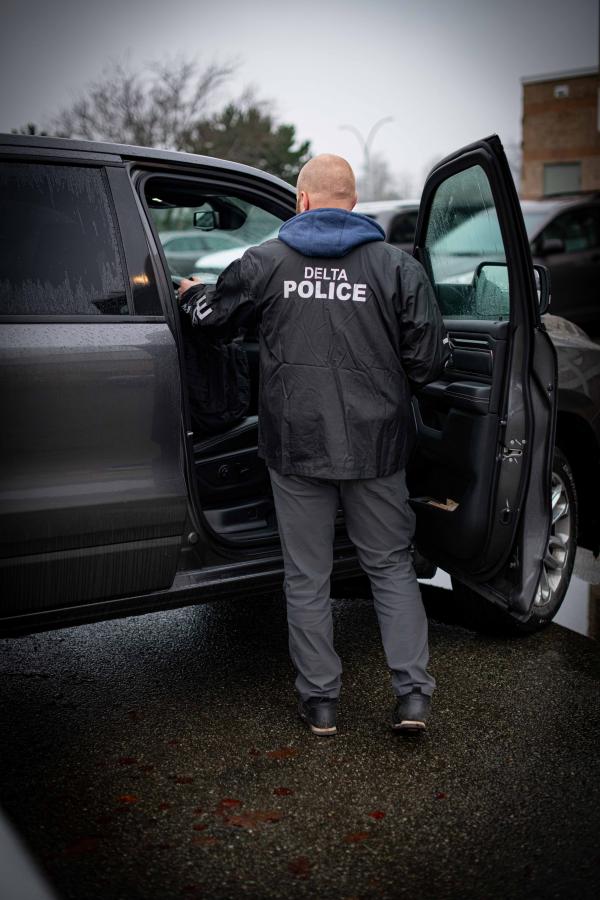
(409, 725)
(322, 732)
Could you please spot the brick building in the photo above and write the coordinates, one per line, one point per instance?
(561, 133)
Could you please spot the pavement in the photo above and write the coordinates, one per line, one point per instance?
(161, 757)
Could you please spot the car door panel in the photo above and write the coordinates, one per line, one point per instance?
(94, 499)
(455, 428)
(485, 427)
(90, 461)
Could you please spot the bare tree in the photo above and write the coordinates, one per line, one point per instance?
(155, 107)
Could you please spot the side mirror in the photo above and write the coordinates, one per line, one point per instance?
(542, 284)
(490, 290)
(223, 213)
(206, 219)
(551, 246)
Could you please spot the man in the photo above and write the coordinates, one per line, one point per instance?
(347, 325)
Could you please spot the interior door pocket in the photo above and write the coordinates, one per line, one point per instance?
(475, 362)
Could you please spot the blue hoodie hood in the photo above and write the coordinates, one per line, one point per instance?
(329, 232)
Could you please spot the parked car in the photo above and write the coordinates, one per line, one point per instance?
(183, 248)
(209, 267)
(398, 218)
(112, 506)
(564, 233)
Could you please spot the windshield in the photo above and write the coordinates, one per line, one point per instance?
(533, 220)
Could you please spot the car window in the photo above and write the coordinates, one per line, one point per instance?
(178, 244)
(578, 229)
(465, 250)
(237, 224)
(402, 229)
(58, 242)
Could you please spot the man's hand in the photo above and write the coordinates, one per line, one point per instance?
(187, 283)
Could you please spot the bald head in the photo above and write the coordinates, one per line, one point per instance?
(326, 181)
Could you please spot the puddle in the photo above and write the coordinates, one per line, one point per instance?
(580, 610)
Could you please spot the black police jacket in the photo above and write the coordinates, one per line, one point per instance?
(343, 340)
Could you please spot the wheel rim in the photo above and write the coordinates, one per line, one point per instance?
(554, 564)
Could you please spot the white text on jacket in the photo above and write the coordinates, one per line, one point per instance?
(325, 283)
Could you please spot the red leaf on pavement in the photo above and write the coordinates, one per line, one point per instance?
(440, 795)
(253, 818)
(199, 826)
(126, 799)
(300, 867)
(227, 803)
(164, 806)
(356, 837)
(377, 814)
(173, 743)
(282, 753)
(283, 792)
(204, 840)
(127, 760)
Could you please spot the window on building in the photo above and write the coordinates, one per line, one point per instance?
(58, 243)
(562, 178)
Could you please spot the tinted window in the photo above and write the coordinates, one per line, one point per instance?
(465, 248)
(578, 229)
(58, 245)
(403, 228)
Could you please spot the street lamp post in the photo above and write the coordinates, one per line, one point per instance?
(366, 144)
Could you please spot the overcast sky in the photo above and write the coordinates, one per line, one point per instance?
(448, 71)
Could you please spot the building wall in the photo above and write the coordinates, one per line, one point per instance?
(560, 129)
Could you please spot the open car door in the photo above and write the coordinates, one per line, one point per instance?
(480, 477)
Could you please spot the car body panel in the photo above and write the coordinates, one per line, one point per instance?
(90, 460)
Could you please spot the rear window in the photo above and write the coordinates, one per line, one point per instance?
(59, 252)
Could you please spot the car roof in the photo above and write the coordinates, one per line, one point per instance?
(557, 203)
(134, 153)
(376, 206)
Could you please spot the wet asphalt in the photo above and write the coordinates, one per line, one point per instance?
(161, 757)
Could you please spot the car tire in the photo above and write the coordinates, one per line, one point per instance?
(556, 572)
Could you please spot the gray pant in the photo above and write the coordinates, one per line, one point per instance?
(380, 524)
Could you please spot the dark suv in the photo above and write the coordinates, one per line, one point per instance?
(564, 233)
(112, 505)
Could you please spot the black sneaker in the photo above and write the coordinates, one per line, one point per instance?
(319, 714)
(411, 711)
